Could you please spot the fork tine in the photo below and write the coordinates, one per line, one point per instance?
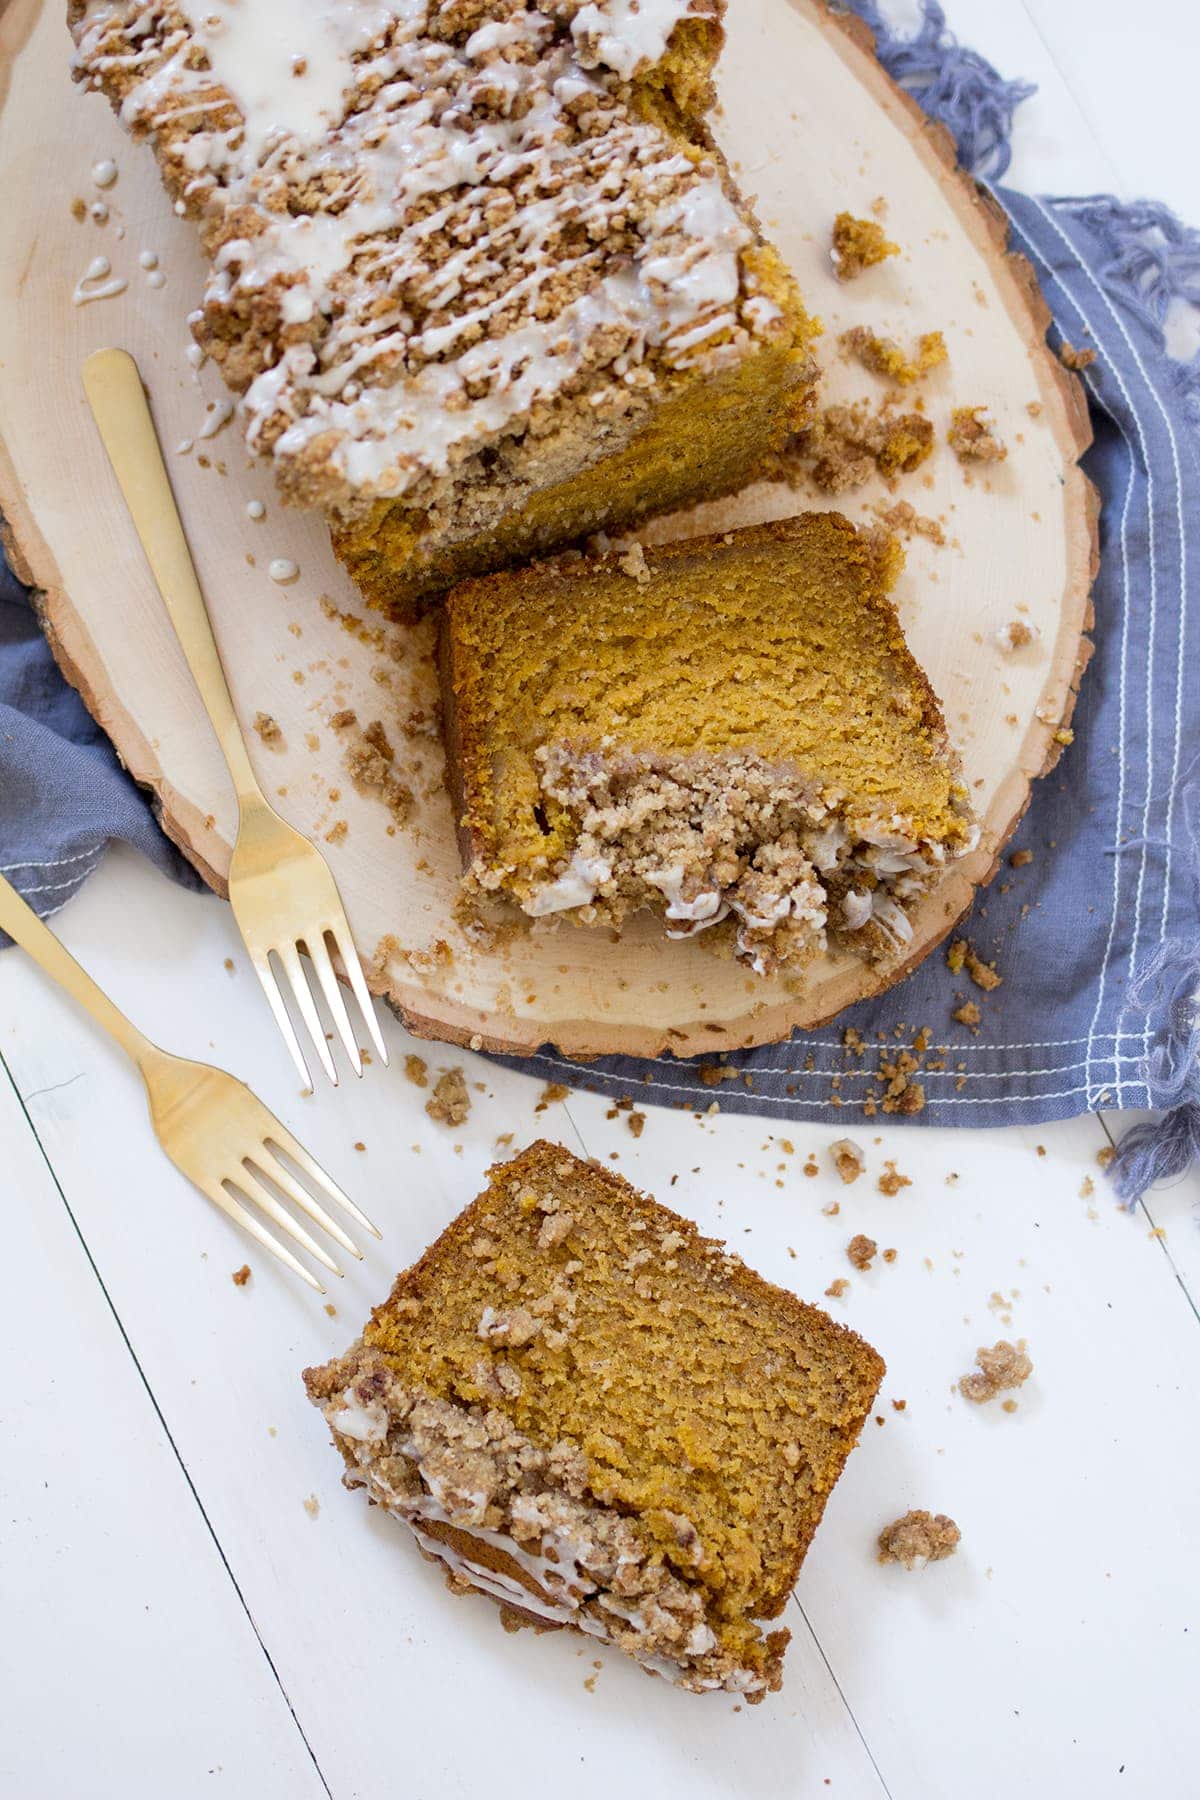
(233, 1209)
(270, 987)
(270, 1166)
(248, 1183)
(289, 956)
(331, 987)
(353, 967)
(281, 1139)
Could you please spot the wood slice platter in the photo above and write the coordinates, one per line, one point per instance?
(813, 126)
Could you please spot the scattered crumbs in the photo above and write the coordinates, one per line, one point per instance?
(331, 1309)
(1041, 1149)
(846, 445)
(1020, 859)
(899, 1405)
(1107, 1156)
(505, 1139)
(341, 721)
(972, 437)
(918, 1538)
(229, 964)
(906, 520)
(889, 1256)
(1035, 409)
(853, 1041)
(858, 244)
(449, 1103)
(636, 1122)
(1004, 1366)
(862, 1251)
(1008, 1406)
(241, 1276)
(812, 1167)
(1087, 1188)
(553, 1091)
(336, 832)
(891, 1181)
(968, 1014)
(1071, 358)
(417, 1070)
(952, 1179)
(848, 1159)
(370, 763)
(837, 1288)
(359, 1145)
(268, 730)
(1018, 634)
(961, 956)
(1064, 735)
(884, 356)
(712, 1074)
(833, 1209)
(79, 210)
(312, 1506)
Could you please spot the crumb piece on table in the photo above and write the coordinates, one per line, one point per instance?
(837, 1288)
(416, 1070)
(312, 1506)
(241, 1276)
(858, 244)
(553, 1091)
(1107, 1156)
(1071, 358)
(862, 1251)
(891, 1181)
(968, 1014)
(1002, 1367)
(848, 1159)
(1016, 635)
(449, 1103)
(1020, 859)
(918, 1538)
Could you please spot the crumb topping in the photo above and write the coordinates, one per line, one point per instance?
(973, 437)
(1002, 1367)
(918, 1538)
(884, 356)
(858, 244)
(427, 223)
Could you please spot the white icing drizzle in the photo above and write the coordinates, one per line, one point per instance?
(282, 569)
(104, 173)
(218, 417)
(389, 365)
(255, 509)
(97, 283)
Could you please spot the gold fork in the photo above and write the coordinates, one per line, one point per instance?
(212, 1127)
(283, 895)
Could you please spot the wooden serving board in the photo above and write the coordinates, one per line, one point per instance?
(813, 125)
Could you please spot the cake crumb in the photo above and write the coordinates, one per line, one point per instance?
(331, 1309)
(1071, 358)
(1020, 859)
(858, 244)
(241, 1276)
(968, 1014)
(370, 763)
(837, 1288)
(336, 832)
(812, 1167)
(962, 956)
(634, 564)
(1107, 1156)
(848, 1159)
(269, 731)
(973, 438)
(1016, 635)
(312, 1506)
(885, 357)
(449, 1103)
(862, 1251)
(845, 446)
(1087, 1188)
(1004, 1366)
(636, 1122)
(552, 1092)
(341, 721)
(918, 1538)
(416, 1070)
(891, 1181)
(889, 1256)
(228, 964)
(905, 519)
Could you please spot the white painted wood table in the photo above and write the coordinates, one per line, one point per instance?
(189, 1603)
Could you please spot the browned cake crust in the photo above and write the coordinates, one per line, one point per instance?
(599, 1416)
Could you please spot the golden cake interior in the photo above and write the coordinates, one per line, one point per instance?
(707, 1410)
(658, 727)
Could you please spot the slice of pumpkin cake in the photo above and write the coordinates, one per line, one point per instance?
(479, 273)
(590, 1412)
(730, 730)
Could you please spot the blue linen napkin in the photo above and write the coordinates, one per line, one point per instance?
(1098, 937)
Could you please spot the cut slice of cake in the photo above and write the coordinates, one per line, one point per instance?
(479, 273)
(590, 1412)
(730, 729)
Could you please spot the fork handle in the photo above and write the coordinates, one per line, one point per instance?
(118, 401)
(22, 924)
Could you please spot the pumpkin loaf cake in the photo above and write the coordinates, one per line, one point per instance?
(730, 730)
(590, 1412)
(479, 272)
